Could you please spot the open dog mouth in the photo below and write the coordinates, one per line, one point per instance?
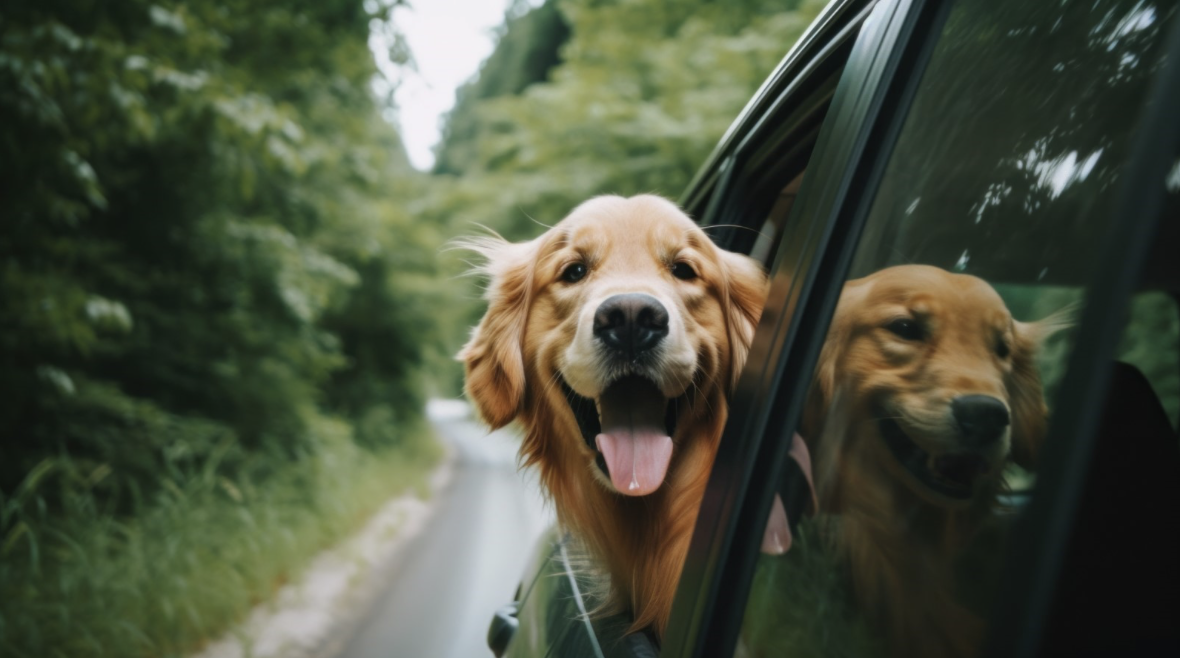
(951, 474)
(630, 427)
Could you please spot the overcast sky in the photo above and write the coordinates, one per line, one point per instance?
(448, 39)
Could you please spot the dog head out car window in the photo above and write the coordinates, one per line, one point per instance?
(613, 338)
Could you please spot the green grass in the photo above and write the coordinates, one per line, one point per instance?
(195, 557)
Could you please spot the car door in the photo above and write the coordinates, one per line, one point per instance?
(551, 615)
(1033, 145)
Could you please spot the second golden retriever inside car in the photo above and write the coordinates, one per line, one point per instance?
(613, 339)
(926, 387)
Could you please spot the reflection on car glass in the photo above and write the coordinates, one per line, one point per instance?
(930, 395)
(925, 388)
(764, 249)
(1016, 138)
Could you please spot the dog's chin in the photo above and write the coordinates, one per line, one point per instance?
(629, 430)
(952, 479)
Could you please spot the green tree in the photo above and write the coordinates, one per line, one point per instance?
(209, 275)
(195, 223)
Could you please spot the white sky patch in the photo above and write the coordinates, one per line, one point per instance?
(448, 39)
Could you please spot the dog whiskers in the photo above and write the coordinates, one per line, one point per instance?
(744, 228)
(532, 219)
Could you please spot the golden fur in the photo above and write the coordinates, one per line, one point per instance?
(535, 337)
(899, 537)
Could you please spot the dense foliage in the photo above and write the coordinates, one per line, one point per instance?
(642, 93)
(210, 287)
(203, 239)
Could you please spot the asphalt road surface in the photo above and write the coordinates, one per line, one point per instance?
(469, 559)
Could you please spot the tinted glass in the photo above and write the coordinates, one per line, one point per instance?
(925, 418)
(1014, 143)
(769, 237)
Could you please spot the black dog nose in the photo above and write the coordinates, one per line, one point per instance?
(981, 418)
(631, 324)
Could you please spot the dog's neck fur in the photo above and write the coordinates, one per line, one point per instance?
(902, 573)
(641, 541)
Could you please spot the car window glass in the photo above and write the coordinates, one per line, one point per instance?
(769, 235)
(957, 316)
(1151, 343)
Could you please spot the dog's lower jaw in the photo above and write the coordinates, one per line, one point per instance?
(641, 541)
(955, 481)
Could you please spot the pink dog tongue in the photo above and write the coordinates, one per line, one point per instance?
(633, 440)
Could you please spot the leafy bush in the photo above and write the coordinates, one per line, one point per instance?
(192, 557)
(215, 308)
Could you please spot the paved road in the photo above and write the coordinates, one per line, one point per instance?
(467, 561)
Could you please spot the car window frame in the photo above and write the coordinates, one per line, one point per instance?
(710, 602)
(876, 85)
(710, 196)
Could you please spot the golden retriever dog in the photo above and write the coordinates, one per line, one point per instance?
(613, 339)
(925, 388)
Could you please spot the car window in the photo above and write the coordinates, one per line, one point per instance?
(766, 243)
(1151, 341)
(955, 326)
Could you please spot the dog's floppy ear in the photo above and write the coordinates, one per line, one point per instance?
(493, 357)
(1026, 395)
(746, 287)
(823, 383)
(823, 387)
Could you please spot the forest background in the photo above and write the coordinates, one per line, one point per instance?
(224, 297)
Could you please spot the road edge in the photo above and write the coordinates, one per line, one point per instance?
(315, 616)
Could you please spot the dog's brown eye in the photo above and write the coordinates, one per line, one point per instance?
(683, 271)
(573, 272)
(1002, 349)
(905, 328)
